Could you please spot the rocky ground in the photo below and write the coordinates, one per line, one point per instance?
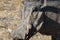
(10, 16)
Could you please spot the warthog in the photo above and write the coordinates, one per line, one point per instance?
(37, 13)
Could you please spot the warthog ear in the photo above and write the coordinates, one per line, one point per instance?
(44, 4)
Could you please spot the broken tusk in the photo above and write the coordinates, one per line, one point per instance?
(9, 30)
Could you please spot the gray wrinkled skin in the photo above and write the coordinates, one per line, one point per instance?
(25, 25)
(28, 19)
(26, 13)
(26, 22)
(19, 33)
